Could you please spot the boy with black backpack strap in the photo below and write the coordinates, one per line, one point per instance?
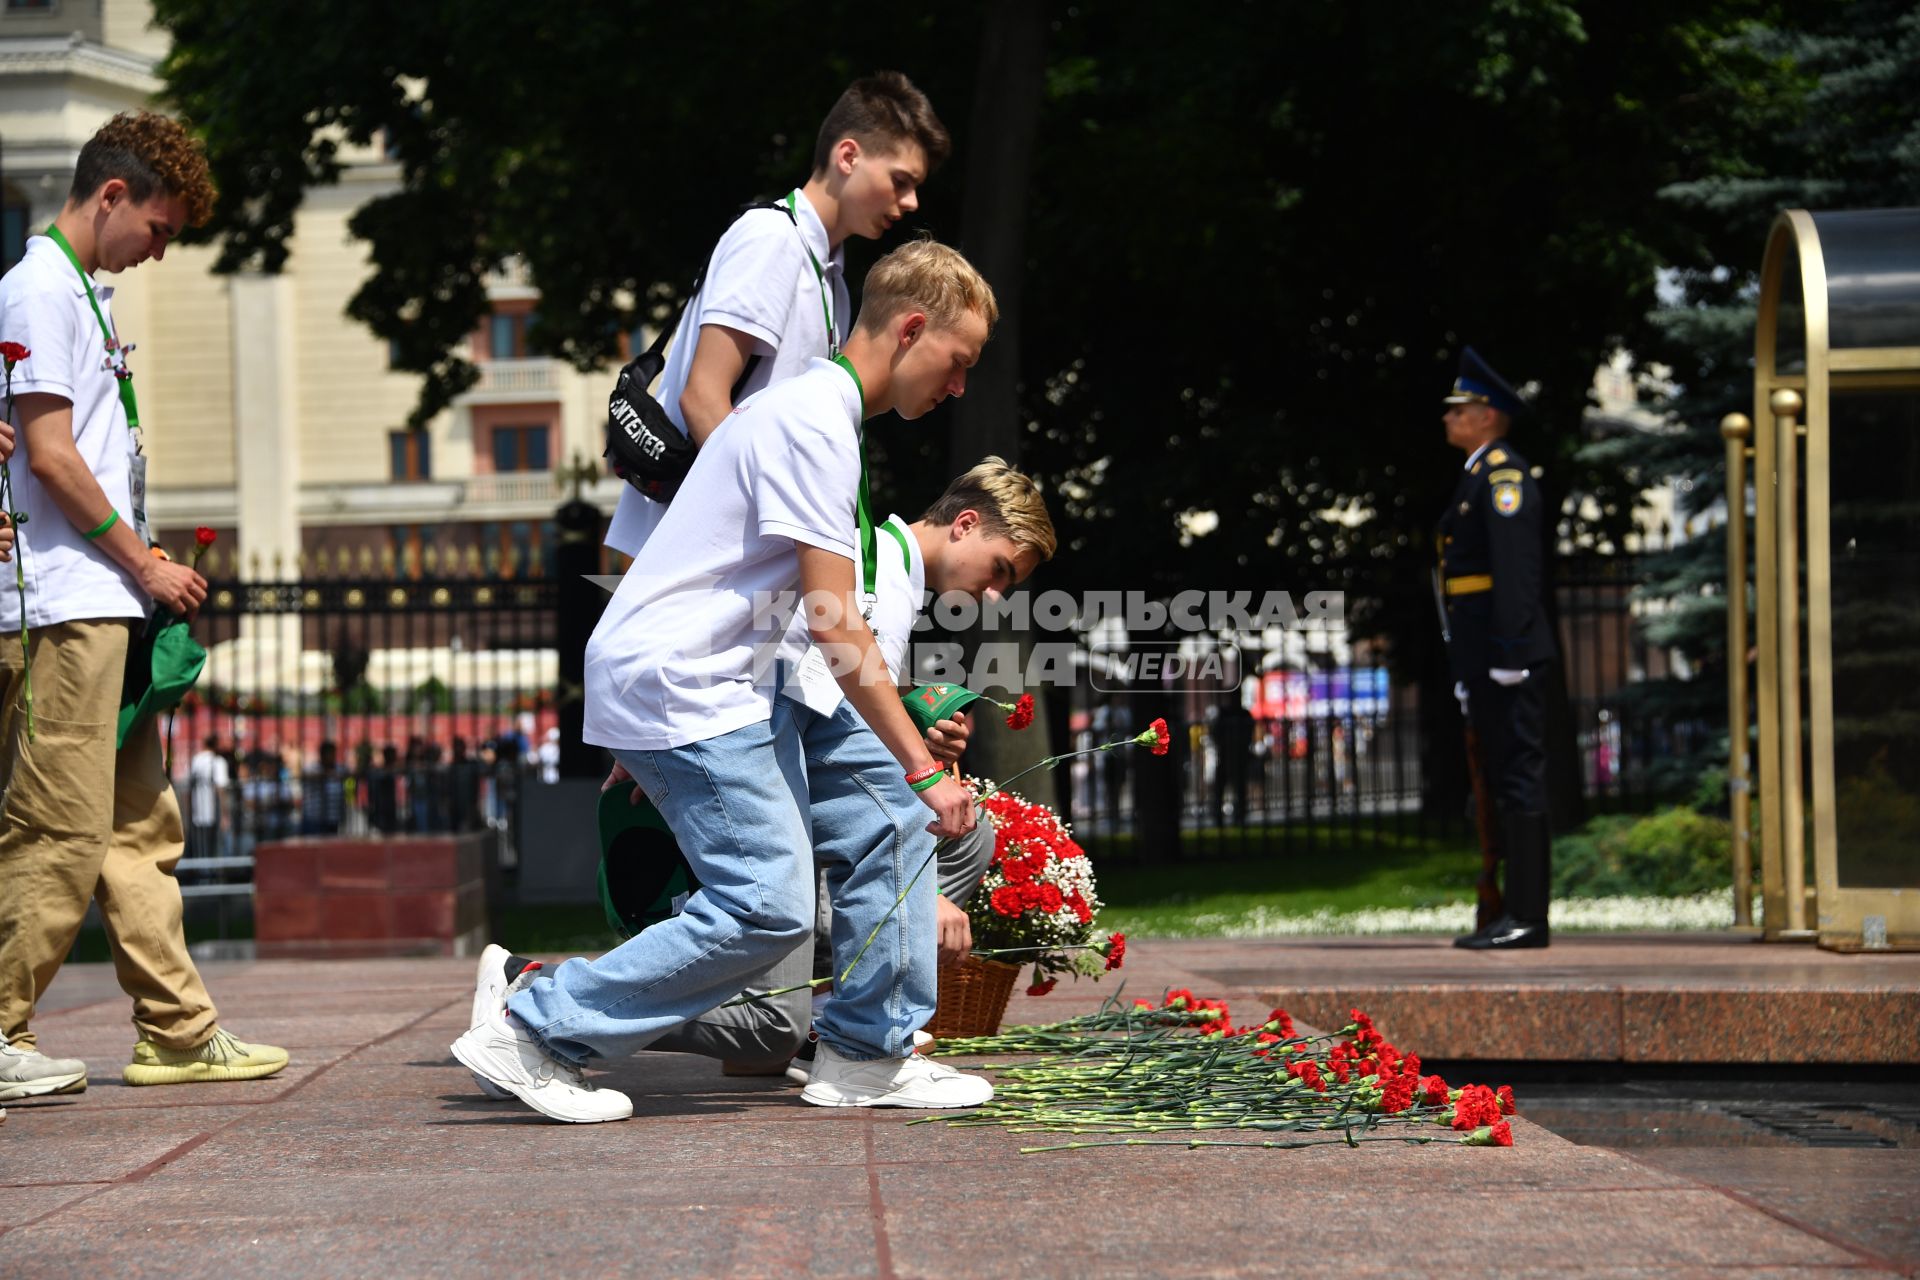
(773, 295)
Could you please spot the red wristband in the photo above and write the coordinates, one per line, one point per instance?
(922, 774)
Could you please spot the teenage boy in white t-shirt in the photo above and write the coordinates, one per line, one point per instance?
(755, 785)
(987, 532)
(774, 296)
(84, 820)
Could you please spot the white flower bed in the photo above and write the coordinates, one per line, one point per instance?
(1581, 915)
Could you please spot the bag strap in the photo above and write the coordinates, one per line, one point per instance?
(666, 333)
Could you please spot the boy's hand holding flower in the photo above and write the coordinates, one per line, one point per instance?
(947, 739)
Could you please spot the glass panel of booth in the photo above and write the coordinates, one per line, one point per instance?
(1874, 483)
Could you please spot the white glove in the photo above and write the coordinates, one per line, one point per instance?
(1507, 676)
(1460, 695)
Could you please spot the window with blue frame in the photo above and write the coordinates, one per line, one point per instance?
(521, 448)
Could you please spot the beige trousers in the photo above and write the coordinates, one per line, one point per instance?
(62, 843)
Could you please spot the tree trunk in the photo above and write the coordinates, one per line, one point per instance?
(1006, 116)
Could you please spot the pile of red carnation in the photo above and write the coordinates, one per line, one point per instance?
(1371, 1072)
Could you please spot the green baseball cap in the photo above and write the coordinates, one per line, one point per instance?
(644, 878)
(929, 704)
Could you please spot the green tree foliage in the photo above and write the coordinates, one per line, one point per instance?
(1847, 136)
(1257, 236)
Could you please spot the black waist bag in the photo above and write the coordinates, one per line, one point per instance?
(644, 448)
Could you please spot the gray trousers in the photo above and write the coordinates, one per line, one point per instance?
(772, 1031)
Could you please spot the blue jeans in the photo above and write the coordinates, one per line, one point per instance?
(751, 810)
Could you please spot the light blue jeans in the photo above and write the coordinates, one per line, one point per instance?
(752, 810)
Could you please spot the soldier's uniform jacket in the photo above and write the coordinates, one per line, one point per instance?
(1490, 579)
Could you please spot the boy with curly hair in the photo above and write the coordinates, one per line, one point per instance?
(90, 579)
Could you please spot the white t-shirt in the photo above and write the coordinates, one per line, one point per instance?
(43, 307)
(900, 587)
(761, 282)
(685, 650)
(208, 780)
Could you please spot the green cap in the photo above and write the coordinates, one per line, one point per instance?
(644, 878)
(929, 704)
(163, 661)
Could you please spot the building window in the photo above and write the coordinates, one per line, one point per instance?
(507, 335)
(520, 449)
(33, 6)
(502, 338)
(411, 455)
(409, 543)
(13, 235)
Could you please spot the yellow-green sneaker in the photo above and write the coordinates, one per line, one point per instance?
(221, 1058)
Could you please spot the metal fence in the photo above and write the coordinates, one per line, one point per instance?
(424, 698)
(406, 702)
(1319, 739)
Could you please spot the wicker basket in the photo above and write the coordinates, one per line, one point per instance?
(973, 998)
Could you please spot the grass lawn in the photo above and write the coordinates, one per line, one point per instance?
(1149, 900)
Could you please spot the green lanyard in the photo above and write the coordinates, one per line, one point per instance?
(826, 306)
(906, 556)
(863, 507)
(121, 374)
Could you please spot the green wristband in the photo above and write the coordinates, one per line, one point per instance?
(924, 783)
(113, 518)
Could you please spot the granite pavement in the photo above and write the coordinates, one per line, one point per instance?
(374, 1153)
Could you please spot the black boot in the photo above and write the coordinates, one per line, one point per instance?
(1528, 848)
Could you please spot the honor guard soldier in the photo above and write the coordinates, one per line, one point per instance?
(1489, 584)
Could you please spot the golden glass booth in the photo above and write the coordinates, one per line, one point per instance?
(1836, 571)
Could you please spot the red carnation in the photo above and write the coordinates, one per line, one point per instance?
(1017, 870)
(1006, 900)
(1138, 1003)
(1280, 1022)
(1433, 1091)
(1476, 1108)
(1504, 1096)
(13, 353)
(1502, 1134)
(1022, 715)
(1397, 1096)
(1050, 898)
(1117, 954)
(203, 536)
(1161, 738)
(1041, 988)
(1180, 998)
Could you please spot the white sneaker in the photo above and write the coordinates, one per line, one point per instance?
(912, 1081)
(502, 1052)
(490, 982)
(27, 1073)
(800, 1070)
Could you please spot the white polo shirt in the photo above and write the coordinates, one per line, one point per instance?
(43, 307)
(900, 587)
(761, 282)
(684, 650)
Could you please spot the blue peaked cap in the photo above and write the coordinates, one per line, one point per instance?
(1477, 383)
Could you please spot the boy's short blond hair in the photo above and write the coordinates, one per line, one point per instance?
(925, 276)
(1010, 504)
